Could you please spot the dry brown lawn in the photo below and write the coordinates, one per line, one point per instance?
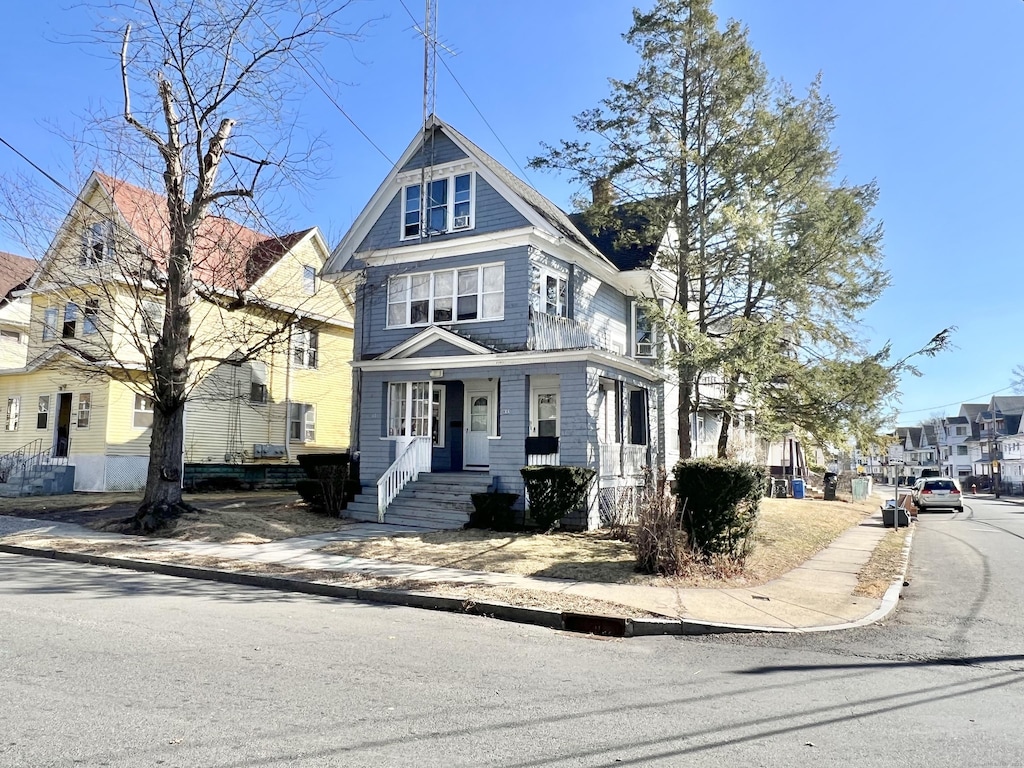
(253, 517)
(886, 564)
(789, 531)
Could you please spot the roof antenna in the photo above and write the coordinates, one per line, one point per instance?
(429, 33)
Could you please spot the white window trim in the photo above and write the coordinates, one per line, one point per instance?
(407, 405)
(87, 411)
(535, 393)
(12, 421)
(43, 409)
(151, 319)
(309, 282)
(303, 346)
(541, 296)
(449, 206)
(90, 317)
(306, 420)
(408, 277)
(97, 233)
(136, 410)
(635, 308)
(50, 315)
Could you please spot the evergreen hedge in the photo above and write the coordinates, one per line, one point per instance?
(554, 492)
(720, 499)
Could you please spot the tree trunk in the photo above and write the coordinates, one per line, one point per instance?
(162, 502)
(731, 393)
(685, 412)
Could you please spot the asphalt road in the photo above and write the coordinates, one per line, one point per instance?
(106, 668)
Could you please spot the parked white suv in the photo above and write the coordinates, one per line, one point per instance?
(938, 493)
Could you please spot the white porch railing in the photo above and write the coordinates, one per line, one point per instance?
(412, 459)
(542, 460)
(552, 332)
(622, 460)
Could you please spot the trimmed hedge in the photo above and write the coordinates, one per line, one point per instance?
(554, 492)
(332, 481)
(720, 501)
(494, 511)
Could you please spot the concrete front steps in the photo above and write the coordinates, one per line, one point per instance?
(57, 479)
(438, 501)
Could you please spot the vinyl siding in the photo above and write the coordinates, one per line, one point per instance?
(492, 213)
(439, 151)
(506, 334)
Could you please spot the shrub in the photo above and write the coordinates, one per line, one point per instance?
(720, 504)
(330, 484)
(659, 540)
(554, 492)
(493, 511)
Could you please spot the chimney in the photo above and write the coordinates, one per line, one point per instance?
(601, 192)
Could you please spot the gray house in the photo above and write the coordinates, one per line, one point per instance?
(490, 333)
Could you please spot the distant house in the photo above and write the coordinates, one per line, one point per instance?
(95, 310)
(15, 272)
(494, 331)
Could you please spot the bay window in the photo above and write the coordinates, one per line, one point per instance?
(549, 292)
(473, 293)
(644, 337)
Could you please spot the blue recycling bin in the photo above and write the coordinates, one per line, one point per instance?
(798, 488)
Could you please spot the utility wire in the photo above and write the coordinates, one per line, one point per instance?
(22, 155)
(475, 107)
(959, 402)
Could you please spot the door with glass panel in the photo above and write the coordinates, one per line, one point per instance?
(476, 446)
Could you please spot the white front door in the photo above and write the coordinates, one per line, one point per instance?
(476, 447)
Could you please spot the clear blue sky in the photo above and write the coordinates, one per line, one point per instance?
(930, 97)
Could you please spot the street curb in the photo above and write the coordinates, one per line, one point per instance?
(611, 626)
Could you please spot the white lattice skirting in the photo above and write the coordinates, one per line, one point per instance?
(109, 473)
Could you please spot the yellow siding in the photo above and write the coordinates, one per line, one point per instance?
(51, 381)
(122, 437)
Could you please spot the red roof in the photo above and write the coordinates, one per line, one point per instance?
(227, 255)
(14, 272)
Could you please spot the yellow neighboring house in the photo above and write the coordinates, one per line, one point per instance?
(270, 356)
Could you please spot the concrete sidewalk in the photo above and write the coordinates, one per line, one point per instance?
(815, 596)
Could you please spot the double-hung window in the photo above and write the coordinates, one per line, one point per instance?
(410, 408)
(13, 411)
(474, 293)
(151, 322)
(49, 323)
(84, 410)
(302, 422)
(89, 317)
(305, 347)
(70, 320)
(309, 280)
(142, 415)
(446, 207)
(644, 335)
(549, 292)
(43, 414)
(97, 243)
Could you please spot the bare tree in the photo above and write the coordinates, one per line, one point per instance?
(207, 87)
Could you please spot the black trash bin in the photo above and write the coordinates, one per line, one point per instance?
(780, 489)
(831, 482)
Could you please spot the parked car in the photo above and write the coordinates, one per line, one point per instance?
(938, 493)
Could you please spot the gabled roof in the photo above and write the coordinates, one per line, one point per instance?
(627, 237)
(930, 434)
(430, 335)
(15, 272)
(227, 256)
(957, 420)
(1008, 404)
(537, 209)
(914, 434)
(1012, 421)
(971, 410)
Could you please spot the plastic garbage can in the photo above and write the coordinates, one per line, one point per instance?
(798, 488)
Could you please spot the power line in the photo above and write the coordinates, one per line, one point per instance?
(475, 107)
(958, 402)
(19, 153)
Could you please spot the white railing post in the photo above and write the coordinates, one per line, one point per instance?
(413, 458)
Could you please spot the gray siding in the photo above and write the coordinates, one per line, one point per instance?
(373, 338)
(440, 349)
(493, 213)
(440, 150)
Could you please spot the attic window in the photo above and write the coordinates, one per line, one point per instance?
(309, 280)
(645, 340)
(97, 243)
(448, 207)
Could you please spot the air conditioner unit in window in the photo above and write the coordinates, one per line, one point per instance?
(644, 349)
(460, 222)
